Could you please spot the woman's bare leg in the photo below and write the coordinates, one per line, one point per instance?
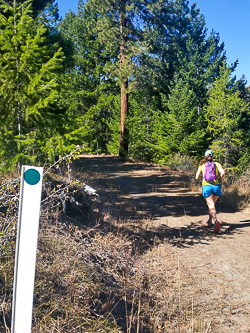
(211, 200)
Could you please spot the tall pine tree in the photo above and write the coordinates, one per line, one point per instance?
(223, 113)
(122, 23)
(29, 85)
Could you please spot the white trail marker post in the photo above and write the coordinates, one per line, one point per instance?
(26, 246)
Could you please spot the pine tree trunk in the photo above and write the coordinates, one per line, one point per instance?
(123, 148)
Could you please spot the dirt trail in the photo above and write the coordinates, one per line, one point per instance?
(220, 263)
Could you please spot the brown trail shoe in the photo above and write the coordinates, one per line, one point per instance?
(216, 227)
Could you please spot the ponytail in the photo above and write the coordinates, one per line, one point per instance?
(206, 159)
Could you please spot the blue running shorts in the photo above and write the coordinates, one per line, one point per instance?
(207, 190)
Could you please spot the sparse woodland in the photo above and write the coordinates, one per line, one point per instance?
(144, 80)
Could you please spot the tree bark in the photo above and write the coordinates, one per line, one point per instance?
(123, 147)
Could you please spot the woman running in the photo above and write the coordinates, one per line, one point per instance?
(211, 185)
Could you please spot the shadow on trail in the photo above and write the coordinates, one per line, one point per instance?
(136, 194)
(236, 226)
(183, 237)
(158, 194)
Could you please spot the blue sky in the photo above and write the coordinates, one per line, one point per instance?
(230, 18)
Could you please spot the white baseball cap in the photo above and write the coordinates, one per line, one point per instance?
(209, 152)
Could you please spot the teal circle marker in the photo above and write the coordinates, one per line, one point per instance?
(32, 176)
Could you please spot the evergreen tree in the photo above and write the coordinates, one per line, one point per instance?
(188, 132)
(121, 23)
(147, 127)
(29, 86)
(179, 46)
(223, 114)
(54, 38)
(92, 95)
(36, 5)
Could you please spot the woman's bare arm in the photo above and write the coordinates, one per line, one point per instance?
(198, 174)
(221, 171)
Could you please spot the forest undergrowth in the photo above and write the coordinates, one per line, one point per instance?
(94, 273)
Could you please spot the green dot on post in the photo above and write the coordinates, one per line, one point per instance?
(32, 176)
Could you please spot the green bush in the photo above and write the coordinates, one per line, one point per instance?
(180, 162)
